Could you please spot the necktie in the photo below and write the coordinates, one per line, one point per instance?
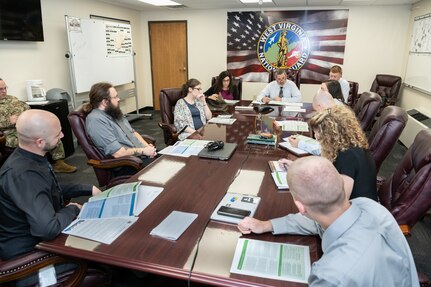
(280, 94)
(57, 184)
(128, 134)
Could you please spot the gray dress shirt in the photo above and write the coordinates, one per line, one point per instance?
(345, 88)
(106, 134)
(363, 247)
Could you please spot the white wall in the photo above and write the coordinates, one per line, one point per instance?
(376, 38)
(411, 99)
(21, 61)
(376, 41)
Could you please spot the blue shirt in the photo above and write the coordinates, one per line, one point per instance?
(362, 247)
(196, 115)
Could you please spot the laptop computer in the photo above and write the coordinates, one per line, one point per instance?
(221, 154)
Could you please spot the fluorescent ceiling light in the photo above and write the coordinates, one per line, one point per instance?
(161, 2)
(255, 1)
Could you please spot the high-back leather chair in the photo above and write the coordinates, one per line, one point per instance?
(168, 99)
(385, 133)
(388, 87)
(353, 93)
(4, 150)
(236, 81)
(103, 166)
(30, 263)
(407, 193)
(292, 75)
(366, 108)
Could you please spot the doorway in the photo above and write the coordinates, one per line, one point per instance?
(168, 49)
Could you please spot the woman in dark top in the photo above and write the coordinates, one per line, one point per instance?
(344, 143)
(334, 88)
(191, 112)
(223, 89)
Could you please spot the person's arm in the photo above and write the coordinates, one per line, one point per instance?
(265, 94)
(207, 111)
(313, 149)
(289, 224)
(35, 199)
(148, 150)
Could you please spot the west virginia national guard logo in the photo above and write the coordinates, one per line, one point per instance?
(283, 45)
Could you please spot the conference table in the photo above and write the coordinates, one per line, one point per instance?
(204, 252)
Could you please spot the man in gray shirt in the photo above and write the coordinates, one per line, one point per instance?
(361, 241)
(109, 130)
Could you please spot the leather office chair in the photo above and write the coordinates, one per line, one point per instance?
(4, 150)
(168, 99)
(103, 166)
(388, 87)
(353, 93)
(236, 81)
(385, 133)
(407, 193)
(27, 264)
(366, 108)
(293, 75)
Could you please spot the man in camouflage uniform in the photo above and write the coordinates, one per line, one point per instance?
(10, 109)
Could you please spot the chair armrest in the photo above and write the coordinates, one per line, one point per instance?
(25, 265)
(109, 163)
(168, 127)
(149, 139)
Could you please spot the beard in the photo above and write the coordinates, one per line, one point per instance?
(50, 148)
(114, 112)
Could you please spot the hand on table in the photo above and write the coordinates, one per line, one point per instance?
(250, 224)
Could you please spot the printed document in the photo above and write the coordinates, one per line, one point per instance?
(277, 103)
(101, 230)
(185, 148)
(293, 126)
(222, 121)
(272, 260)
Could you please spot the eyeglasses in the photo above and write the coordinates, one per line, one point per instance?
(116, 97)
(199, 89)
(3, 89)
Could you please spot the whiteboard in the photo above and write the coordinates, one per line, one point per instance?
(99, 51)
(419, 61)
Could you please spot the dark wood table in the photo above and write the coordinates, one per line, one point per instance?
(197, 188)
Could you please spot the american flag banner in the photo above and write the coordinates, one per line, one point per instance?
(252, 38)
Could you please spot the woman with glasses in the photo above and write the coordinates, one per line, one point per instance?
(192, 111)
(223, 89)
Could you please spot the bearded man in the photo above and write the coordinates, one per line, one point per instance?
(109, 129)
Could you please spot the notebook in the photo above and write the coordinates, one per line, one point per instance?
(222, 154)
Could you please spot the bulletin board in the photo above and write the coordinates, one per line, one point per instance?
(99, 51)
(418, 74)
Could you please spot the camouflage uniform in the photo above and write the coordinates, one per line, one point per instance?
(12, 106)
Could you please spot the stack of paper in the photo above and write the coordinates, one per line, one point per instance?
(279, 174)
(105, 216)
(257, 139)
(277, 103)
(222, 120)
(293, 126)
(174, 225)
(243, 108)
(273, 260)
(185, 148)
(297, 151)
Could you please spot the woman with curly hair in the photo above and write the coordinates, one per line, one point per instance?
(344, 143)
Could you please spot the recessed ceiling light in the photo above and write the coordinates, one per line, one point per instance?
(161, 2)
(255, 1)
